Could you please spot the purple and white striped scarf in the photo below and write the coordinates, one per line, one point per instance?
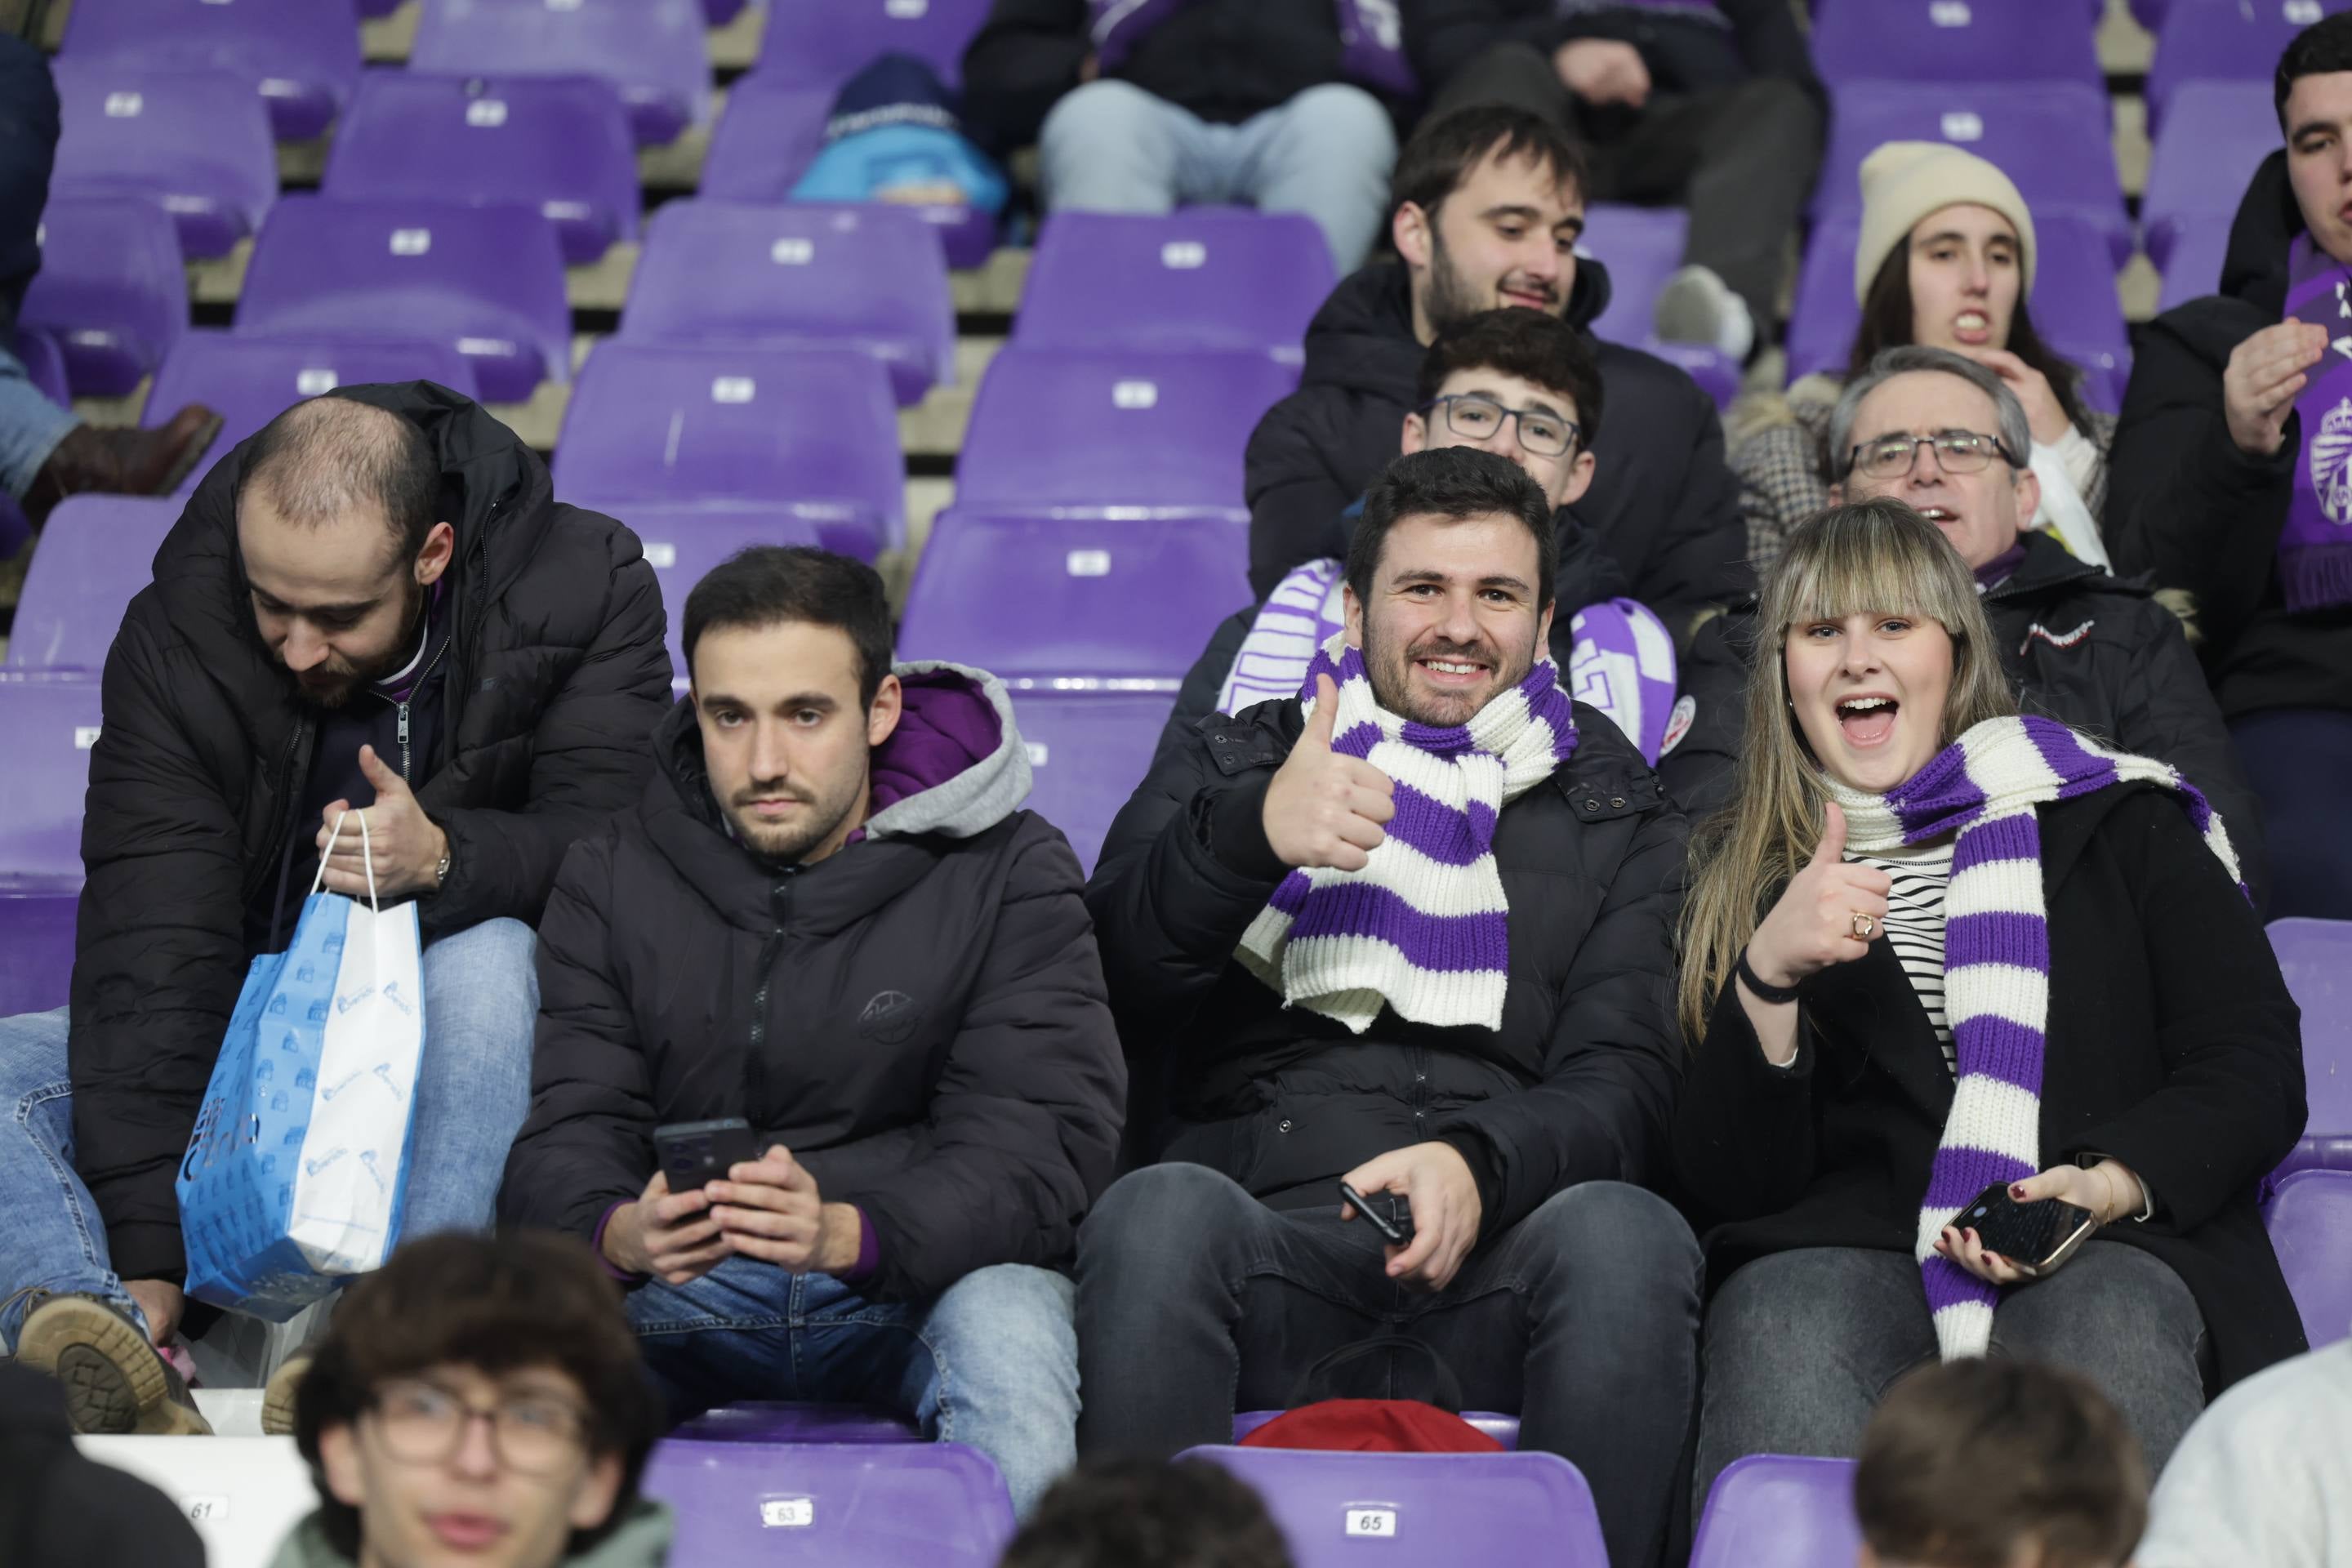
(1423, 928)
(1986, 787)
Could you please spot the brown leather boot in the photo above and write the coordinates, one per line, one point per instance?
(122, 462)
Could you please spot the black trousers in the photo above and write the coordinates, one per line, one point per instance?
(1742, 160)
(29, 145)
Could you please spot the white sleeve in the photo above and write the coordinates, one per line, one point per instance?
(2245, 1488)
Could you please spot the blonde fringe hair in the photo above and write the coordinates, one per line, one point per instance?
(1870, 557)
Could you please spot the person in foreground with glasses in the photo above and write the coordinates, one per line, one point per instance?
(479, 1401)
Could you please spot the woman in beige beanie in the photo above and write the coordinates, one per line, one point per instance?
(1945, 259)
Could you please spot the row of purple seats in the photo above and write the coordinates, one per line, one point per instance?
(822, 45)
(2216, 136)
(1917, 42)
(1642, 248)
(2310, 1226)
(195, 141)
(654, 52)
(2223, 40)
(112, 289)
(301, 56)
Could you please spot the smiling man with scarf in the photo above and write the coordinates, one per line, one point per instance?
(1410, 930)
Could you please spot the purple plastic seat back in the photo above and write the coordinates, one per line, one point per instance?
(486, 279)
(1503, 1429)
(249, 381)
(718, 13)
(1954, 40)
(1114, 429)
(302, 57)
(789, 1421)
(880, 1505)
(560, 145)
(1205, 278)
(1717, 372)
(654, 52)
(2224, 40)
(2310, 1225)
(51, 721)
(2193, 269)
(197, 142)
(1641, 247)
(112, 289)
(683, 541)
(1435, 1511)
(1088, 751)
(45, 366)
(867, 277)
(813, 430)
(823, 42)
(2216, 136)
(2315, 956)
(96, 554)
(36, 948)
(1769, 1510)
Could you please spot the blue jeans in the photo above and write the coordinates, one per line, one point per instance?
(1111, 147)
(481, 1001)
(30, 425)
(991, 1361)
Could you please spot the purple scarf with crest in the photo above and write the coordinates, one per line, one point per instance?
(2314, 549)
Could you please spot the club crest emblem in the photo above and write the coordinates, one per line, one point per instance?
(2331, 464)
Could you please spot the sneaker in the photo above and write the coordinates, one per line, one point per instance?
(114, 1380)
(278, 1397)
(1696, 307)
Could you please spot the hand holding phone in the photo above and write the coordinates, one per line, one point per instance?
(1392, 1218)
(693, 1154)
(2035, 1237)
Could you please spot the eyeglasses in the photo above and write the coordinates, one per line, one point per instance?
(1542, 434)
(424, 1424)
(1957, 452)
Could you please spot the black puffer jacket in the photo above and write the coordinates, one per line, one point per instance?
(1574, 1087)
(1684, 49)
(1663, 502)
(2186, 505)
(557, 675)
(918, 1017)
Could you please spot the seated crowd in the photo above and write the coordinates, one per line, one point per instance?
(1604, 921)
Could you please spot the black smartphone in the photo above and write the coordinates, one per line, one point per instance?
(2036, 1237)
(698, 1152)
(1392, 1218)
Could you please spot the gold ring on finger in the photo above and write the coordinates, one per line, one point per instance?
(1863, 927)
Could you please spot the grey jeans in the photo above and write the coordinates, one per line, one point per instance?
(1800, 1346)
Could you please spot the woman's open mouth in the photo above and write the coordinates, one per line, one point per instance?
(1867, 720)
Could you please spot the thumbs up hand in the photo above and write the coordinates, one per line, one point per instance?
(1325, 808)
(1830, 913)
(402, 844)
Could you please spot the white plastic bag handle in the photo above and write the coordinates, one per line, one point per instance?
(367, 854)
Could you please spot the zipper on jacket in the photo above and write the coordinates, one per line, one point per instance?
(400, 709)
(755, 1070)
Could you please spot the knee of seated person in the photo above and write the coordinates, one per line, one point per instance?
(1346, 115)
(1096, 109)
(1629, 1226)
(1147, 1214)
(1006, 1299)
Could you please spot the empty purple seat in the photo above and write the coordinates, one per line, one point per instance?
(2193, 269)
(112, 289)
(2216, 136)
(825, 45)
(249, 381)
(1088, 751)
(301, 56)
(654, 52)
(1642, 248)
(1205, 278)
(1434, 1510)
(814, 431)
(2224, 40)
(2310, 1225)
(1769, 1510)
(45, 366)
(1954, 40)
(683, 541)
(559, 144)
(1503, 1429)
(880, 1505)
(2315, 956)
(868, 278)
(787, 1421)
(95, 555)
(195, 141)
(1121, 431)
(486, 279)
(36, 948)
(51, 721)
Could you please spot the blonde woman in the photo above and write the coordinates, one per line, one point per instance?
(1935, 947)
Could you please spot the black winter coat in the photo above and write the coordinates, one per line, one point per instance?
(1574, 1087)
(557, 675)
(919, 1019)
(1663, 502)
(2173, 1046)
(2186, 505)
(1685, 51)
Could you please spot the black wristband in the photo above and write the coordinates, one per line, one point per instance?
(1764, 993)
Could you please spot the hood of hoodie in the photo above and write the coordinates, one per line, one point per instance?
(1362, 339)
(642, 1539)
(2254, 268)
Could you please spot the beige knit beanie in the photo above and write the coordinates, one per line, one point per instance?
(1903, 182)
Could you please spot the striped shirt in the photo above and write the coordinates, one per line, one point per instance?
(1915, 925)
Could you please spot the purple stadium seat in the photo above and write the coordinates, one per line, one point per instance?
(196, 142)
(718, 13)
(654, 51)
(1717, 374)
(95, 555)
(868, 278)
(1771, 1511)
(2310, 1224)
(1434, 1510)
(683, 541)
(36, 948)
(51, 721)
(823, 45)
(45, 366)
(1122, 431)
(812, 430)
(112, 289)
(301, 56)
(2052, 138)
(1953, 40)
(1049, 600)
(249, 381)
(1088, 751)
(878, 1505)
(2315, 956)
(2216, 136)
(787, 1421)
(488, 279)
(559, 144)
(1206, 277)
(1642, 248)
(1503, 1429)
(2224, 40)
(2194, 269)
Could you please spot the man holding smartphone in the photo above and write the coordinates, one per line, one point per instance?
(831, 938)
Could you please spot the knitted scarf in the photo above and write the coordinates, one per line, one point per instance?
(1424, 927)
(1986, 787)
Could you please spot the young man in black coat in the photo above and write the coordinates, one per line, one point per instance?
(830, 918)
(375, 604)
(1548, 1282)
(1488, 204)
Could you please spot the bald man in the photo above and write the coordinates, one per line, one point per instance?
(375, 604)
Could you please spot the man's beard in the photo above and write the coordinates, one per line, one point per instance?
(1389, 668)
(337, 683)
(787, 843)
(1452, 298)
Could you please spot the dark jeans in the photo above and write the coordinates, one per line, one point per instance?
(1742, 160)
(1801, 1345)
(2299, 761)
(29, 145)
(1194, 1300)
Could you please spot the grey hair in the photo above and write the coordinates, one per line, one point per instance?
(2016, 433)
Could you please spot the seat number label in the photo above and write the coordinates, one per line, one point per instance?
(487, 113)
(788, 1512)
(410, 241)
(1376, 1521)
(1088, 562)
(1183, 255)
(205, 1506)
(1963, 125)
(733, 389)
(1039, 753)
(1135, 394)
